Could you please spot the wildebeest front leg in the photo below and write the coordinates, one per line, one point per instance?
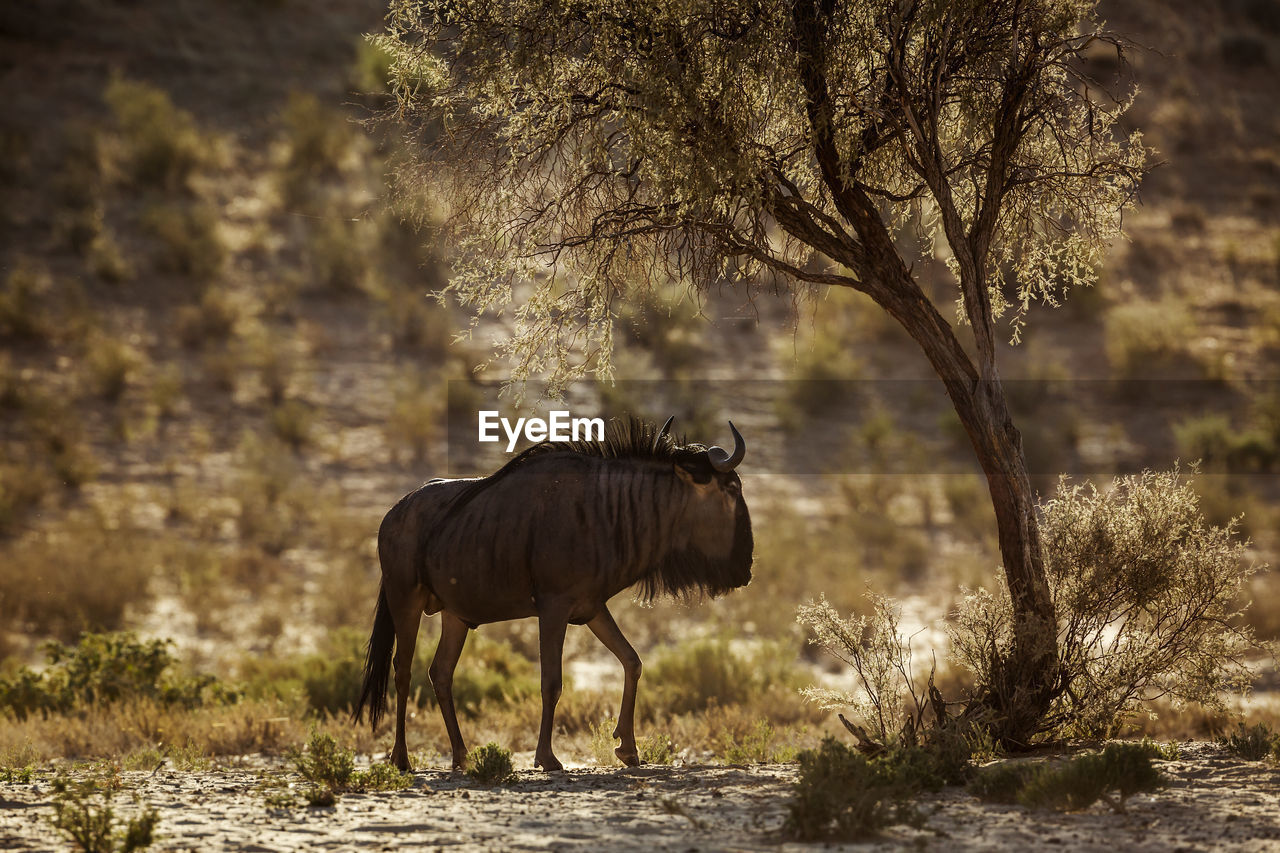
(551, 628)
(607, 631)
(453, 636)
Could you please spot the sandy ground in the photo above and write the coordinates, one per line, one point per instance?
(1213, 801)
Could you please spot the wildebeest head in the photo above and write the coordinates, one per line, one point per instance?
(717, 554)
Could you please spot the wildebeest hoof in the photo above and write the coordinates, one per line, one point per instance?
(550, 764)
(630, 759)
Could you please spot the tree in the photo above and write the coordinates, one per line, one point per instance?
(585, 147)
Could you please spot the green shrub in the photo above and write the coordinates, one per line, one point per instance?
(416, 414)
(843, 795)
(324, 764)
(162, 146)
(665, 322)
(371, 70)
(329, 679)
(1113, 775)
(490, 765)
(493, 671)
(318, 136)
(104, 669)
(1118, 772)
(1001, 783)
(417, 323)
(329, 771)
(339, 253)
(1163, 752)
(83, 815)
(381, 777)
(1252, 743)
(602, 742)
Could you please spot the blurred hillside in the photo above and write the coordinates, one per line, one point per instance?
(218, 366)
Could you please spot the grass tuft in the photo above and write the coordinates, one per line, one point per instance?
(491, 765)
(1252, 743)
(82, 813)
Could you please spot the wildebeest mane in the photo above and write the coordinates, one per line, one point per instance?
(632, 438)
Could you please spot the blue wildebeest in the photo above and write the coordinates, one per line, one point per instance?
(555, 533)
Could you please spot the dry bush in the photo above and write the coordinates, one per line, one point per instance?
(110, 364)
(190, 242)
(84, 573)
(893, 704)
(24, 487)
(416, 322)
(25, 304)
(665, 321)
(274, 500)
(1147, 337)
(340, 254)
(106, 260)
(213, 321)
(268, 726)
(417, 412)
(160, 144)
(698, 674)
(318, 141)
(1147, 597)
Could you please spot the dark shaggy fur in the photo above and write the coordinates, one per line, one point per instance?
(633, 438)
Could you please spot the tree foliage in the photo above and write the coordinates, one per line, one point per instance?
(582, 146)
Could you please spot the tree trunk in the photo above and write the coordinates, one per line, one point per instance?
(1022, 681)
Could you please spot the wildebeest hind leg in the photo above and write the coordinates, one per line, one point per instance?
(551, 628)
(453, 636)
(406, 613)
(607, 632)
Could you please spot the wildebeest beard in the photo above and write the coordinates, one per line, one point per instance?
(689, 573)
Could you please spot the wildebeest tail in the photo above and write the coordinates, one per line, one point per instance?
(377, 663)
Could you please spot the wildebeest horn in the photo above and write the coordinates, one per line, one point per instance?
(663, 432)
(721, 460)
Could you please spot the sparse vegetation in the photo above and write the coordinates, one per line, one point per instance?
(1144, 338)
(843, 795)
(490, 765)
(187, 237)
(160, 144)
(1113, 775)
(174, 284)
(83, 814)
(1147, 595)
(1252, 743)
(104, 669)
